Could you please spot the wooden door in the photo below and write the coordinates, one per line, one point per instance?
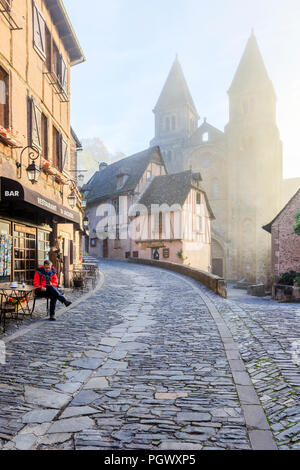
(105, 248)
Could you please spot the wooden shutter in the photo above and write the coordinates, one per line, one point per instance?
(39, 32)
(64, 76)
(36, 125)
(65, 149)
(71, 251)
(6, 4)
(60, 152)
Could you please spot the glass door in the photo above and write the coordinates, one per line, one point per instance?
(25, 262)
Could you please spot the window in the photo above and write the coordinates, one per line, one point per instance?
(216, 188)
(4, 114)
(173, 123)
(43, 246)
(39, 32)
(198, 223)
(206, 161)
(149, 175)
(198, 198)
(205, 137)
(44, 136)
(121, 180)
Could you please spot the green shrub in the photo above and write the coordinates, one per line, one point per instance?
(288, 279)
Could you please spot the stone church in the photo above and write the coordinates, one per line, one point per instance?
(241, 167)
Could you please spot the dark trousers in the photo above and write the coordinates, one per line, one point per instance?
(54, 295)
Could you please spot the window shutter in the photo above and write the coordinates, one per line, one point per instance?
(60, 153)
(39, 32)
(36, 125)
(65, 149)
(71, 251)
(6, 4)
(64, 76)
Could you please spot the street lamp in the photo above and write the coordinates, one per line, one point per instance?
(72, 198)
(86, 222)
(33, 171)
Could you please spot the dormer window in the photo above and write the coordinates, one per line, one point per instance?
(121, 180)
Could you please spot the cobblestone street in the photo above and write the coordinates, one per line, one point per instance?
(153, 360)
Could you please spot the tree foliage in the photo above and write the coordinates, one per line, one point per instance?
(297, 223)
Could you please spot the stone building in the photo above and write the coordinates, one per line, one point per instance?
(137, 210)
(285, 242)
(241, 166)
(40, 205)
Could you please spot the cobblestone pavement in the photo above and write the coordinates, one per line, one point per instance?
(141, 364)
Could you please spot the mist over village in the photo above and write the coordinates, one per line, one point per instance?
(149, 228)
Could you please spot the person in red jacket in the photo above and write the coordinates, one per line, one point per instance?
(45, 280)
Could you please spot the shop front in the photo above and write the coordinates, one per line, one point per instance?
(31, 231)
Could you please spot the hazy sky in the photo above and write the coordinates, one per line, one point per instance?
(130, 46)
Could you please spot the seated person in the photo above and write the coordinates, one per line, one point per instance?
(45, 280)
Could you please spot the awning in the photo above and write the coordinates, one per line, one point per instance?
(12, 190)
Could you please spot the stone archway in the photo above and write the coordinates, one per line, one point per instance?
(218, 258)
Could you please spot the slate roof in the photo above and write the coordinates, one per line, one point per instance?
(172, 189)
(104, 183)
(268, 227)
(175, 91)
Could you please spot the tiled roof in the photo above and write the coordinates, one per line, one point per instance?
(104, 183)
(268, 227)
(172, 189)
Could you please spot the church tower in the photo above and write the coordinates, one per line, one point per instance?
(176, 118)
(254, 166)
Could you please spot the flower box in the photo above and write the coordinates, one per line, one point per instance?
(8, 137)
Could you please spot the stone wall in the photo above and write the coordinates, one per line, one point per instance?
(285, 243)
(212, 282)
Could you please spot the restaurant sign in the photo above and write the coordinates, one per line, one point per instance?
(13, 191)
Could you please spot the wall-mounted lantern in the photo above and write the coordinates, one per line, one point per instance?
(33, 171)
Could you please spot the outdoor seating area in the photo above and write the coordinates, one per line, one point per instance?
(19, 301)
(16, 302)
(86, 274)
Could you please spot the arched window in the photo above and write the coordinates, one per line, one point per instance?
(173, 123)
(167, 124)
(216, 188)
(205, 137)
(206, 161)
(3, 98)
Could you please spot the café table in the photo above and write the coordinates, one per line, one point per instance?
(21, 295)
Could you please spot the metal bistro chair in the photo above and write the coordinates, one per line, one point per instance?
(91, 274)
(79, 279)
(7, 310)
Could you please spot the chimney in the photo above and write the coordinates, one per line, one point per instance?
(102, 166)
